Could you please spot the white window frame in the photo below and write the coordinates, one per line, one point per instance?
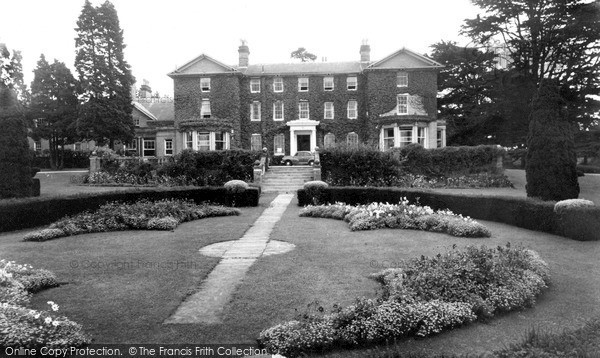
(224, 140)
(168, 144)
(351, 83)
(37, 145)
(402, 108)
(144, 147)
(328, 83)
(279, 139)
(354, 135)
(205, 142)
(205, 111)
(301, 110)
(280, 105)
(441, 142)
(205, 80)
(404, 130)
(421, 137)
(394, 137)
(301, 81)
(330, 111)
(188, 140)
(276, 82)
(352, 110)
(255, 115)
(255, 85)
(402, 79)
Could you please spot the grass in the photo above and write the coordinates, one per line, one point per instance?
(127, 299)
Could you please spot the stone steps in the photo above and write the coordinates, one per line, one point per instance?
(286, 179)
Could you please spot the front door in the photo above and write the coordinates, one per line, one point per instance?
(303, 141)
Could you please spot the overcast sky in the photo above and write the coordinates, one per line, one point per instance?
(161, 35)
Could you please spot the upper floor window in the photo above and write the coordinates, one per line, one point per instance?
(402, 79)
(205, 109)
(255, 85)
(205, 84)
(402, 104)
(278, 84)
(255, 111)
(328, 83)
(352, 109)
(278, 111)
(136, 121)
(303, 84)
(351, 83)
(303, 112)
(328, 110)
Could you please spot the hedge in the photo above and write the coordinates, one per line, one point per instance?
(526, 213)
(27, 213)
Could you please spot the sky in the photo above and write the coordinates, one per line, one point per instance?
(161, 35)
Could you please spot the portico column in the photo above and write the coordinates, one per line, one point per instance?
(293, 145)
(313, 139)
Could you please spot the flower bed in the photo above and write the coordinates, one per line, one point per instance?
(142, 215)
(420, 297)
(398, 216)
(23, 327)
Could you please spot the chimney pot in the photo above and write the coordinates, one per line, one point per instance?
(365, 52)
(244, 53)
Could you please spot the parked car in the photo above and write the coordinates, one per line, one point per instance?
(300, 158)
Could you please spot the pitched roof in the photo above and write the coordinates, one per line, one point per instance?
(161, 111)
(302, 68)
(144, 111)
(202, 64)
(405, 58)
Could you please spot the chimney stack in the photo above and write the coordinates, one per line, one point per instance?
(365, 51)
(244, 52)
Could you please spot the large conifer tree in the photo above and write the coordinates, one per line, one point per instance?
(104, 75)
(54, 106)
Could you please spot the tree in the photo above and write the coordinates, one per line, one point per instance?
(54, 107)
(15, 160)
(104, 76)
(555, 49)
(550, 169)
(548, 40)
(303, 55)
(482, 104)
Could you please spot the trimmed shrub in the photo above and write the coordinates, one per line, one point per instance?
(314, 189)
(15, 160)
(578, 219)
(421, 297)
(236, 186)
(159, 215)
(551, 159)
(34, 212)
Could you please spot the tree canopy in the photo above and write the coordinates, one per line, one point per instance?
(105, 77)
(303, 55)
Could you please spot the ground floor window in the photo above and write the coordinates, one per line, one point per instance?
(149, 147)
(168, 146)
(37, 145)
(279, 144)
(205, 140)
(400, 136)
(441, 137)
(329, 140)
(256, 142)
(352, 139)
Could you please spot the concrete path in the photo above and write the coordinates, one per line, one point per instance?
(207, 305)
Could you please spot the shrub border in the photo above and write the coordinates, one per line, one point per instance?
(28, 213)
(526, 213)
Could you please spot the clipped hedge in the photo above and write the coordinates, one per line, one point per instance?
(449, 160)
(526, 213)
(21, 214)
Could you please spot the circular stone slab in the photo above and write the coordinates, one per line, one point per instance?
(274, 247)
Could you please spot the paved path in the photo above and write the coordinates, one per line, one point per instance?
(207, 305)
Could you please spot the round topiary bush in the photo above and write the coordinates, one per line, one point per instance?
(315, 190)
(236, 186)
(578, 219)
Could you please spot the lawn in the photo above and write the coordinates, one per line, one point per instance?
(128, 299)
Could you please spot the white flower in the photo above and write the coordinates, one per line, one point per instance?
(55, 323)
(48, 320)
